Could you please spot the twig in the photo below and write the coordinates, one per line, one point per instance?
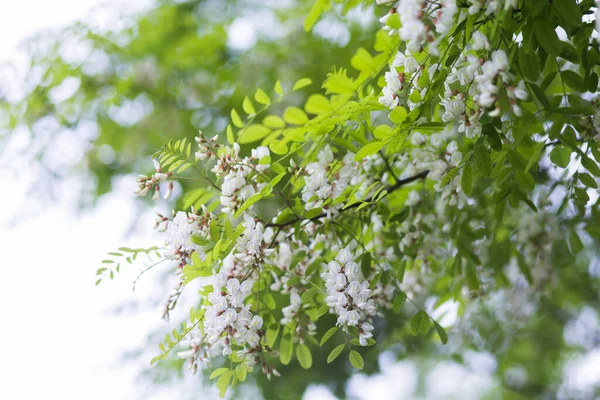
(390, 189)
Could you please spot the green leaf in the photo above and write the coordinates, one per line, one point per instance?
(218, 372)
(315, 12)
(561, 156)
(286, 349)
(328, 335)
(278, 147)
(230, 138)
(420, 323)
(248, 106)
(253, 133)
(235, 118)
(278, 88)
(363, 61)
(573, 80)
(587, 180)
(398, 115)
(295, 116)
(356, 359)
(301, 83)
(335, 353)
(383, 132)
(317, 104)
(368, 150)
(223, 382)
(483, 161)
(399, 302)
(304, 356)
(273, 121)
(365, 265)
(441, 332)
(466, 181)
(590, 165)
(253, 199)
(261, 97)
(575, 243)
(546, 36)
(240, 372)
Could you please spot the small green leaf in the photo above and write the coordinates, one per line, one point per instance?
(365, 265)
(335, 353)
(356, 360)
(398, 115)
(317, 104)
(230, 138)
(441, 332)
(483, 161)
(278, 88)
(302, 83)
(328, 335)
(223, 382)
(278, 147)
(587, 180)
(575, 242)
(235, 118)
(420, 323)
(253, 133)
(240, 372)
(261, 97)
(273, 121)
(218, 372)
(466, 181)
(561, 156)
(286, 349)
(295, 116)
(399, 302)
(369, 149)
(248, 106)
(304, 356)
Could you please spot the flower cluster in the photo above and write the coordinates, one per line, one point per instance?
(404, 83)
(416, 19)
(147, 183)
(475, 85)
(347, 296)
(323, 181)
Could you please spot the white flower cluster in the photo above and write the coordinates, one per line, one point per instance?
(416, 16)
(147, 183)
(179, 233)
(239, 174)
(324, 181)
(252, 246)
(472, 88)
(491, 6)
(348, 297)
(403, 85)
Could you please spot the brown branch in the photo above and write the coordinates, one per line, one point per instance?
(399, 183)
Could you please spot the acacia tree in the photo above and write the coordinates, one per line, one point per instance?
(452, 160)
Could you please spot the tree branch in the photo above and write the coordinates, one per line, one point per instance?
(399, 183)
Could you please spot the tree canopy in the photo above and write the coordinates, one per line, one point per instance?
(338, 198)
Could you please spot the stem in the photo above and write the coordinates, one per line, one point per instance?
(390, 189)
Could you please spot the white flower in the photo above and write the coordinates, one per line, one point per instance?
(389, 99)
(480, 41)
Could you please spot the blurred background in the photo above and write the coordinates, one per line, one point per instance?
(89, 89)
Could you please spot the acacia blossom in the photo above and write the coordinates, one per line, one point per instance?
(349, 297)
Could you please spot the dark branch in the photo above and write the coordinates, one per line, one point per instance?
(399, 183)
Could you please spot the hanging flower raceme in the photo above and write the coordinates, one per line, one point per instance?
(349, 297)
